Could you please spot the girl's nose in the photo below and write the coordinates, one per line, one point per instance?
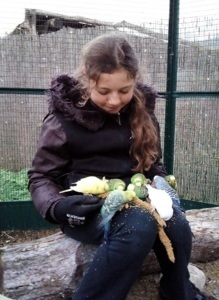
(114, 99)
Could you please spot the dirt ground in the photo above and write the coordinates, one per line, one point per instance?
(140, 290)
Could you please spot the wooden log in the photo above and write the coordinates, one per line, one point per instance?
(205, 227)
(51, 267)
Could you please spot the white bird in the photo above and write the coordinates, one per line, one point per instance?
(161, 201)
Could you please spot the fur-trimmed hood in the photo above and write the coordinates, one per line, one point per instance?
(64, 97)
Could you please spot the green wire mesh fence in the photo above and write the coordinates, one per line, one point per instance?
(179, 57)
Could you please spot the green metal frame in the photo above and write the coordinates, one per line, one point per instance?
(25, 91)
(171, 86)
(22, 215)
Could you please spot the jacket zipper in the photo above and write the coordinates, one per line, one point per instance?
(119, 120)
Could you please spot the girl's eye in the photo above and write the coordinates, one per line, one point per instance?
(124, 92)
(107, 92)
(103, 92)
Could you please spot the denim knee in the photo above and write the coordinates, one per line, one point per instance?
(134, 230)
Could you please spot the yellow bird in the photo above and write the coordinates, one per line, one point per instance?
(89, 185)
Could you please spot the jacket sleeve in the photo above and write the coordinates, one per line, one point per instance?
(50, 161)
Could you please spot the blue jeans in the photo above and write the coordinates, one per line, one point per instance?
(117, 263)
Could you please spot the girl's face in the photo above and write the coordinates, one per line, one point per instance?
(112, 91)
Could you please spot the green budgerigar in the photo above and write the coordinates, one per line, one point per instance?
(171, 179)
(138, 185)
(140, 191)
(115, 184)
(139, 179)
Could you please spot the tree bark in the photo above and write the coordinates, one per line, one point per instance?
(50, 268)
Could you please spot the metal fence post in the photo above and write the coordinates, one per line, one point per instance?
(171, 84)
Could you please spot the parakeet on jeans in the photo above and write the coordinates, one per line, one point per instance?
(112, 204)
(161, 201)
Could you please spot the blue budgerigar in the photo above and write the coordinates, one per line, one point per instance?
(162, 184)
(112, 204)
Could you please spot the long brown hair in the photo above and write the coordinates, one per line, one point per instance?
(105, 54)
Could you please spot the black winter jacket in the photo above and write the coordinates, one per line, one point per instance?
(76, 142)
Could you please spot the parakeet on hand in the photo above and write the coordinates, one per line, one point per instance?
(89, 185)
(112, 204)
(161, 201)
(162, 184)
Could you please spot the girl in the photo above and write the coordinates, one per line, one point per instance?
(101, 122)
